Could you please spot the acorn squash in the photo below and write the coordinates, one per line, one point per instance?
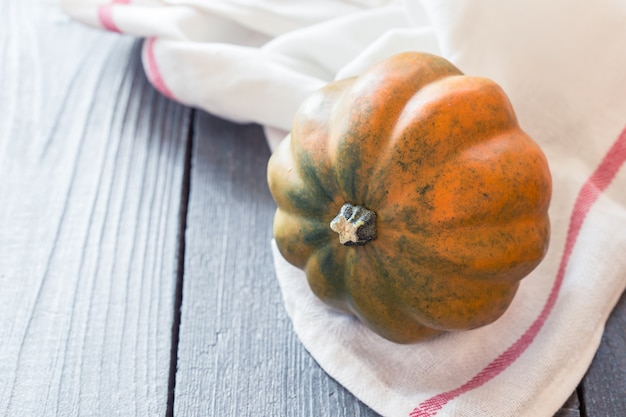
(411, 198)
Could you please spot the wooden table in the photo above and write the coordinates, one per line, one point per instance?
(136, 277)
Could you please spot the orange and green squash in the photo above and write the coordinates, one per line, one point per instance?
(411, 198)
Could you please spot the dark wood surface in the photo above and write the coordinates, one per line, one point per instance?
(136, 277)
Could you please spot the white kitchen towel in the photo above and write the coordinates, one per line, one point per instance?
(562, 64)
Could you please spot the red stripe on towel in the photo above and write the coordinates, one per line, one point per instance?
(105, 15)
(589, 193)
(152, 70)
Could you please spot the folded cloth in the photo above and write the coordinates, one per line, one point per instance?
(562, 64)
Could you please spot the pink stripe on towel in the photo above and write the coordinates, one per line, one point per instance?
(105, 15)
(152, 69)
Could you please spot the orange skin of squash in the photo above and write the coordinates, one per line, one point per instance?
(461, 195)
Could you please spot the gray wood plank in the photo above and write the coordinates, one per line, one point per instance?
(603, 390)
(91, 172)
(238, 354)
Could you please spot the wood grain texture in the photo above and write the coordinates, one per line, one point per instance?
(604, 386)
(91, 166)
(237, 353)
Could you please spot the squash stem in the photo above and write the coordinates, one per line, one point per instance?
(356, 225)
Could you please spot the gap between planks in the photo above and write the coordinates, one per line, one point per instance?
(178, 294)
